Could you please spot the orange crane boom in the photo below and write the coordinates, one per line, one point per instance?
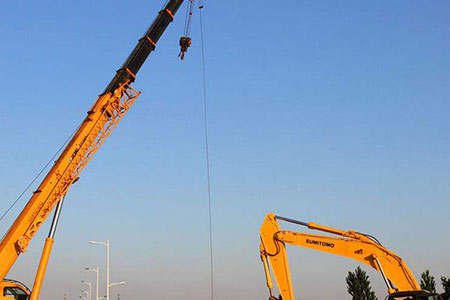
(101, 119)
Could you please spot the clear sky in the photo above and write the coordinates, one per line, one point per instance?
(335, 112)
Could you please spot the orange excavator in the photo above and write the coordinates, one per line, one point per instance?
(363, 248)
(101, 119)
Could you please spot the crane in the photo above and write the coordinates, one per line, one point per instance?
(364, 248)
(101, 119)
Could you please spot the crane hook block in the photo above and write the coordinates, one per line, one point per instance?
(185, 43)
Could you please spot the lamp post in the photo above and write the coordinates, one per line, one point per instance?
(98, 275)
(117, 283)
(90, 288)
(106, 244)
(88, 296)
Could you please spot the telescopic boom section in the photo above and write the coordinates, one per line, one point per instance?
(351, 244)
(101, 119)
(147, 44)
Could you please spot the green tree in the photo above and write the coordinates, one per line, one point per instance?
(358, 285)
(446, 286)
(427, 282)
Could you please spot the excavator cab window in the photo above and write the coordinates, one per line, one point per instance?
(15, 293)
(415, 296)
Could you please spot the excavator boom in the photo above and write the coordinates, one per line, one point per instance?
(351, 244)
(101, 119)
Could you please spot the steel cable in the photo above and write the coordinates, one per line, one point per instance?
(208, 177)
(38, 175)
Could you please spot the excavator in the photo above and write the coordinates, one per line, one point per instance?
(361, 247)
(101, 119)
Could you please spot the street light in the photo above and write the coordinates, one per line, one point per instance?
(90, 288)
(98, 275)
(117, 283)
(88, 296)
(106, 244)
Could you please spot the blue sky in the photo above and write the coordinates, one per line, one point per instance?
(336, 113)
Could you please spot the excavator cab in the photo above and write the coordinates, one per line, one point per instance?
(414, 295)
(13, 290)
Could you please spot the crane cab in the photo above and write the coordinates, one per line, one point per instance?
(13, 290)
(414, 295)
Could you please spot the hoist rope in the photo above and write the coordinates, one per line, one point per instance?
(188, 21)
(208, 177)
(39, 174)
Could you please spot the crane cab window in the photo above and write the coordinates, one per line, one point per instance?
(15, 293)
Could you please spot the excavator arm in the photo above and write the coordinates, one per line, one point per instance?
(351, 244)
